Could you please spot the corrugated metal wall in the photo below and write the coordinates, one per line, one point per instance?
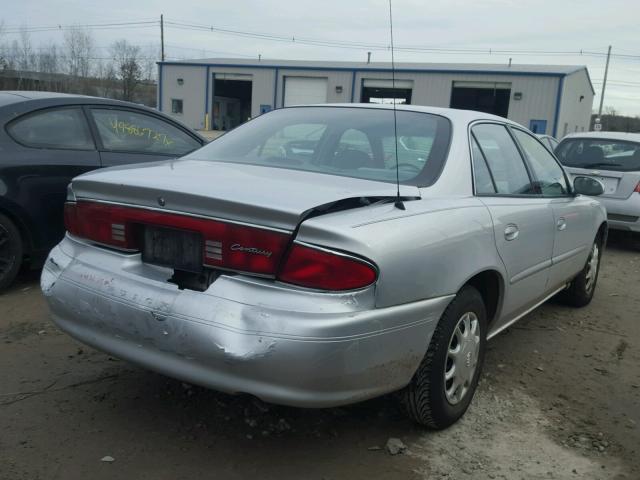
(434, 89)
(538, 100)
(575, 114)
(192, 93)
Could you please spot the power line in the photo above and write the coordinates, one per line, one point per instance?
(292, 39)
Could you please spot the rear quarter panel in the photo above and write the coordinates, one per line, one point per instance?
(431, 249)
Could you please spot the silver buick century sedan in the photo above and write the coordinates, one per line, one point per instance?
(314, 257)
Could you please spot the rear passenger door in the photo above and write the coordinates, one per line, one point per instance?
(572, 215)
(132, 136)
(52, 146)
(522, 218)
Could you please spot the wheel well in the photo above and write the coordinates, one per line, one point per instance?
(603, 233)
(24, 233)
(489, 284)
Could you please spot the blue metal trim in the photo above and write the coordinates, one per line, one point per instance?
(353, 84)
(212, 77)
(275, 89)
(159, 87)
(206, 91)
(382, 70)
(556, 116)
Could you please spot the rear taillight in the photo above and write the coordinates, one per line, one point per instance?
(225, 244)
(637, 189)
(325, 269)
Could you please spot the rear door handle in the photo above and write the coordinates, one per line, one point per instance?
(561, 223)
(511, 232)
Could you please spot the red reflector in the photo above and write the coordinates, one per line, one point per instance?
(224, 244)
(325, 270)
(637, 189)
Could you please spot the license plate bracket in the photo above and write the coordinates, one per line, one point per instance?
(169, 247)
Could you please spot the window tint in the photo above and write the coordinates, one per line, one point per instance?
(504, 160)
(616, 155)
(296, 142)
(345, 141)
(55, 128)
(549, 176)
(126, 131)
(481, 176)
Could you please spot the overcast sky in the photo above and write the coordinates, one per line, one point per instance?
(543, 25)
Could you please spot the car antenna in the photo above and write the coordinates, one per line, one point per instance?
(398, 203)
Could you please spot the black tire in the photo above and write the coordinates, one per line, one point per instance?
(10, 252)
(582, 287)
(425, 398)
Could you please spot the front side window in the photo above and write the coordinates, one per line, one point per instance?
(550, 178)
(64, 128)
(344, 141)
(503, 159)
(127, 131)
(593, 153)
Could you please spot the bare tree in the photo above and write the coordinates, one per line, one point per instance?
(126, 62)
(26, 56)
(79, 48)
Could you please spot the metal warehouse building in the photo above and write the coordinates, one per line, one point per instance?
(221, 93)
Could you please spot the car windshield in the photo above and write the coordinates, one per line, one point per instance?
(599, 154)
(345, 141)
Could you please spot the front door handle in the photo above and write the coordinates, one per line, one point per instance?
(561, 223)
(511, 232)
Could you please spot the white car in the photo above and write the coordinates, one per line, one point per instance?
(613, 158)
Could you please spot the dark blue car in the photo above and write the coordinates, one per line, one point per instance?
(46, 139)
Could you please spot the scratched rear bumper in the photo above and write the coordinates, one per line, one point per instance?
(242, 335)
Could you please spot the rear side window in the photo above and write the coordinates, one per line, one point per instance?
(549, 175)
(63, 128)
(503, 159)
(617, 155)
(127, 131)
(481, 175)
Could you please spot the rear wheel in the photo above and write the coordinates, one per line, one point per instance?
(443, 386)
(583, 286)
(10, 252)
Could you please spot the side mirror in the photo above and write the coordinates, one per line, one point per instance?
(587, 186)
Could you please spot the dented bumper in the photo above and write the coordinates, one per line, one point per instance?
(242, 335)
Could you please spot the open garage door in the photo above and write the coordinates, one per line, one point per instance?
(231, 100)
(304, 90)
(384, 91)
(488, 97)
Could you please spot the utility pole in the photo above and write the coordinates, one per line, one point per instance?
(162, 40)
(604, 82)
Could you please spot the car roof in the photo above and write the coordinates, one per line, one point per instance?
(52, 98)
(15, 103)
(455, 115)
(629, 137)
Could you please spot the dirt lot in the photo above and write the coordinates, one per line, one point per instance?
(560, 398)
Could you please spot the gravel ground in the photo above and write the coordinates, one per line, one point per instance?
(560, 398)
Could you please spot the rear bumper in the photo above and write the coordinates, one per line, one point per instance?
(242, 335)
(623, 214)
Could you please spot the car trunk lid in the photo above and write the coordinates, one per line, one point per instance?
(271, 197)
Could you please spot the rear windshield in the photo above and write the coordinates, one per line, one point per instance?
(345, 141)
(600, 154)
